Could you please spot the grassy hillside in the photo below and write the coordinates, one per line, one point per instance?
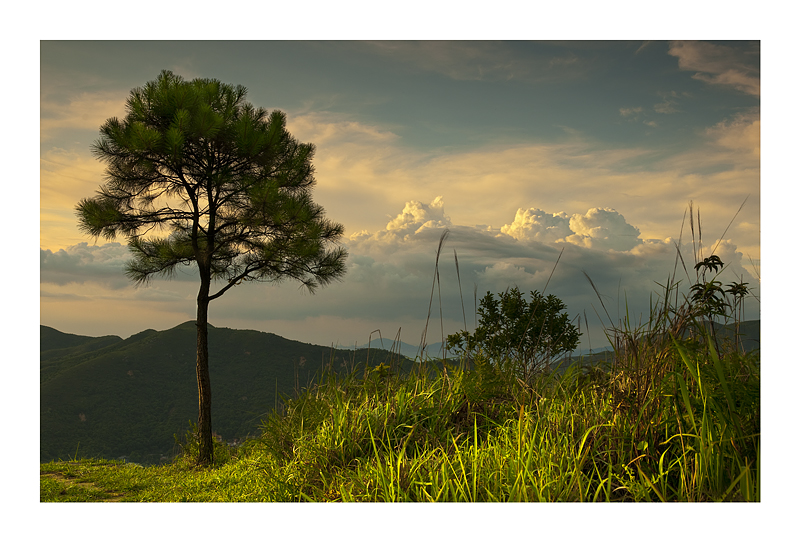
(108, 397)
(682, 424)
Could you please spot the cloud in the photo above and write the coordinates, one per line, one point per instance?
(642, 46)
(537, 249)
(668, 104)
(65, 178)
(537, 225)
(505, 273)
(81, 263)
(325, 128)
(603, 229)
(416, 216)
(85, 111)
(628, 111)
(718, 65)
(371, 165)
(741, 134)
(390, 275)
(84, 263)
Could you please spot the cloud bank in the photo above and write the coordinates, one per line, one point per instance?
(390, 275)
(719, 64)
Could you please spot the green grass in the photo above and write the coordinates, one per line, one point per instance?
(684, 428)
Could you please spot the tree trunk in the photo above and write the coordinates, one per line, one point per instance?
(206, 456)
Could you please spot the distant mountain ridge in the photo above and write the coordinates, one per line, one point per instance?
(113, 397)
(54, 343)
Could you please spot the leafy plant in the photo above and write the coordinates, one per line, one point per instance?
(527, 334)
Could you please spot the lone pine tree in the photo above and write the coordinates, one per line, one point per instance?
(196, 175)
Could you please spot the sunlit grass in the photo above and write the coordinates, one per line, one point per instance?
(427, 437)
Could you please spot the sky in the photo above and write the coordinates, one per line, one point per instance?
(545, 162)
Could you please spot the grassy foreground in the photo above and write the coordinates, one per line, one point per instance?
(672, 420)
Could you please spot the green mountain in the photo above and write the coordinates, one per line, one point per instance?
(109, 397)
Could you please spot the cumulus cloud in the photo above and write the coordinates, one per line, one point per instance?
(603, 229)
(416, 215)
(414, 219)
(718, 65)
(380, 173)
(537, 250)
(538, 225)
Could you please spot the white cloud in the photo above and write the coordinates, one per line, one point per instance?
(325, 128)
(416, 216)
(717, 65)
(380, 172)
(65, 177)
(603, 229)
(537, 225)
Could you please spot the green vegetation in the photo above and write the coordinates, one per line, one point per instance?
(525, 334)
(680, 422)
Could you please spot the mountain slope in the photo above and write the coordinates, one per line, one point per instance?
(130, 397)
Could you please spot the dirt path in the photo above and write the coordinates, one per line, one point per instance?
(70, 482)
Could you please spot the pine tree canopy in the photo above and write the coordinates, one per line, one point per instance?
(195, 173)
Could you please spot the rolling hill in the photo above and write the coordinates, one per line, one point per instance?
(109, 397)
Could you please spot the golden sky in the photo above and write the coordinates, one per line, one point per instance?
(519, 149)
